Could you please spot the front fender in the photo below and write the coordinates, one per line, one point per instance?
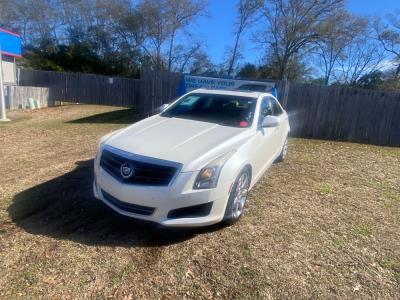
(231, 170)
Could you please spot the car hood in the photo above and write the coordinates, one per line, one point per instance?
(192, 143)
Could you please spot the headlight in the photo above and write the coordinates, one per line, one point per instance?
(209, 175)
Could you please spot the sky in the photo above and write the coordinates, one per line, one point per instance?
(217, 28)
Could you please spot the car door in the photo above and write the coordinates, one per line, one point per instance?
(282, 129)
(265, 140)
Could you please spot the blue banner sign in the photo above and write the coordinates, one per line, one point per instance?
(10, 43)
(191, 83)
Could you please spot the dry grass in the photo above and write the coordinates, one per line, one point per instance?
(323, 224)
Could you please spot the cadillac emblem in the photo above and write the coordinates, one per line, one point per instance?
(127, 170)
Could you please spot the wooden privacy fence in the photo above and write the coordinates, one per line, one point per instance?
(157, 88)
(345, 114)
(146, 94)
(84, 88)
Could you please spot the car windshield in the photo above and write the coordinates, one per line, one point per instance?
(228, 110)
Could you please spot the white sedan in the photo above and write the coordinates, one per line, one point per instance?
(194, 163)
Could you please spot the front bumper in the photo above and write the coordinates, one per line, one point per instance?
(158, 203)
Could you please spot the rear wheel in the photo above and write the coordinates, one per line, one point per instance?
(283, 153)
(238, 197)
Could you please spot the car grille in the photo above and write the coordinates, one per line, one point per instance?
(145, 173)
(129, 207)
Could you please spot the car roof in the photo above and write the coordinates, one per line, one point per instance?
(232, 93)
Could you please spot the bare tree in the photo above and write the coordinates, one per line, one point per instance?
(37, 21)
(163, 20)
(200, 64)
(183, 55)
(389, 36)
(180, 14)
(293, 25)
(247, 9)
(156, 30)
(145, 30)
(337, 33)
(363, 55)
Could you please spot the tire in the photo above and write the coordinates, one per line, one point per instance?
(236, 203)
(283, 153)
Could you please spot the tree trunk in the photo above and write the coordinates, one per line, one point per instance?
(232, 61)
(282, 69)
(171, 45)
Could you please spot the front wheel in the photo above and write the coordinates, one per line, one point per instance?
(238, 197)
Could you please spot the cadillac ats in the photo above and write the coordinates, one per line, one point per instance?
(194, 163)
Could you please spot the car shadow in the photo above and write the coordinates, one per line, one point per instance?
(64, 208)
(121, 116)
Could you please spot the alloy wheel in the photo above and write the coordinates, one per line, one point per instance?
(240, 195)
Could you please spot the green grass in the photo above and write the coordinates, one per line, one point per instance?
(391, 264)
(124, 273)
(246, 250)
(363, 229)
(339, 242)
(326, 188)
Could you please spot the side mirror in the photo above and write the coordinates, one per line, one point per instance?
(161, 108)
(271, 121)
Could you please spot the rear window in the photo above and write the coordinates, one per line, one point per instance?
(253, 87)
